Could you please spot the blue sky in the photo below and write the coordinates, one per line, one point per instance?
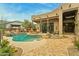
(20, 11)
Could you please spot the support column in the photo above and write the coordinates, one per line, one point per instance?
(55, 27)
(77, 23)
(47, 25)
(60, 23)
(40, 25)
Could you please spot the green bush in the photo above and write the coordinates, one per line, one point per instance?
(6, 49)
(4, 43)
(76, 43)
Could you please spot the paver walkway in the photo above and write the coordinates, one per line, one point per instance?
(53, 47)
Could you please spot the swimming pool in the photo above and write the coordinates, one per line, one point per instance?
(22, 37)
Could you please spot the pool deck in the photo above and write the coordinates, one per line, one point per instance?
(26, 46)
(45, 47)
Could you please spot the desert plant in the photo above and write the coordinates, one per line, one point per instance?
(4, 43)
(76, 43)
(27, 24)
(6, 49)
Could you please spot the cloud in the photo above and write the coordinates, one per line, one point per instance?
(24, 11)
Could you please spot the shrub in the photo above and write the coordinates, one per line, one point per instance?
(4, 43)
(76, 43)
(6, 49)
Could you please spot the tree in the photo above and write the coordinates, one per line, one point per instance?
(2, 28)
(27, 24)
(2, 24)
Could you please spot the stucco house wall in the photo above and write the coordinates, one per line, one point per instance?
(59, 13)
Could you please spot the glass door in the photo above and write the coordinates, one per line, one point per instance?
(51, 27)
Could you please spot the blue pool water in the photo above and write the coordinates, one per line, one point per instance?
(24, 37)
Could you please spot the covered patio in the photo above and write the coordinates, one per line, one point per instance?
(48, 24)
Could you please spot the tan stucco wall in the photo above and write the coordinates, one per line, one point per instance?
(66, 6)
(54, 13)
(58, 12)
(56, 27)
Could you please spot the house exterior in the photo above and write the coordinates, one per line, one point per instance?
(14, 25)
(64, 19)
